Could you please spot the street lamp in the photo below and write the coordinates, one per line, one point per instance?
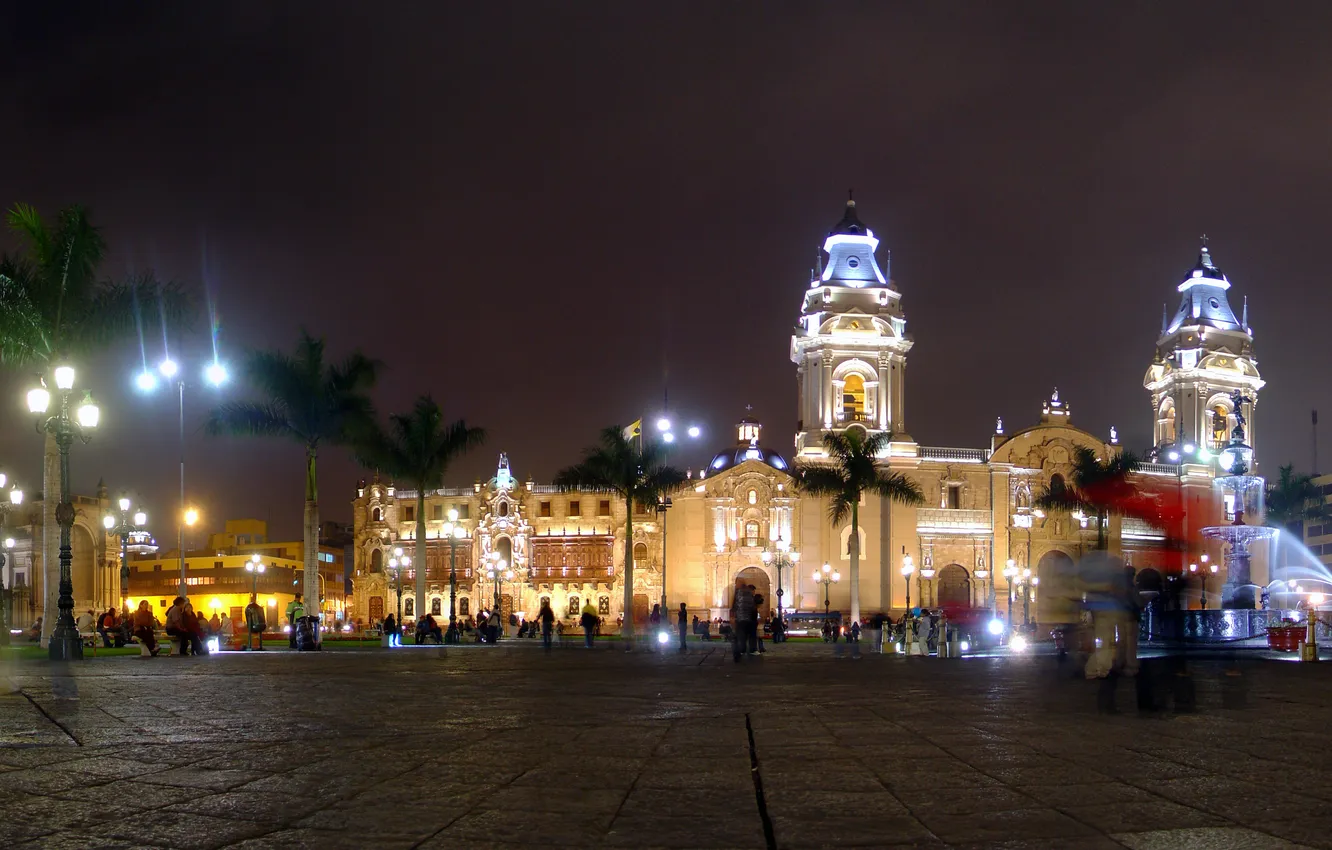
(123, 525)
(1202, 573)
(398, 563)
(64, 425)
(826, 576)
(908, 567)
(496, 573)
(215, 374)
(15, 499)
(662, 507)
(454, 532)
(785, 557)
(1010, 571)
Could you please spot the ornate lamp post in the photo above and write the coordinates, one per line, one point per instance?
(65, 424)
(1010, 572)
(454, 532)
(1202, 574)
(785, 557)
(826, 576)
(398, 563)
(123, 525)
(255, 567)
(662, 507)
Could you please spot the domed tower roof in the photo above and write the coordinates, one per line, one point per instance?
(1204, 300)
(746, 447)
(850, 246)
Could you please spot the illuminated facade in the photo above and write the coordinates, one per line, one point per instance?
(976, 543)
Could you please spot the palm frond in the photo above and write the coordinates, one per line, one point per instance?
(896, 487)
(248, 418)
(820, 480)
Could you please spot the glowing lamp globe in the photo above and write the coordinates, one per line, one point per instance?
(88, 413)
(39, 399)
(64, 377)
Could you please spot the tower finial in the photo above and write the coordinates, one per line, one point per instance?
(1204, 241)
(1244, 322)
(850, 197)
(1165, 321)
(818, 262)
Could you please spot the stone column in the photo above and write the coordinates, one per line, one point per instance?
(1238, 591)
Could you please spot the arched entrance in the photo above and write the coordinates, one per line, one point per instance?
(762, 586)
(954, 587)
(1060, 596)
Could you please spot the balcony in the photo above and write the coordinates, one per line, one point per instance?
(954, 521)
(954, 455)
(1132, 528)
(1159, 469)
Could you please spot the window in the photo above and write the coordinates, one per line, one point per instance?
(574, 607)
(464, 511)
(435, 606)
(853, 397)
(1220, 421)
(21, 579)
(217, 565)
(242, 539)
(603, 605)
(753, 497)
(640, 554)
(437, 512)
(574, 508)
(377, 561)
(464, 606)
(408, 607)
(1057, 484)
(640, 508)
(751, 533)
(954, 496)
(503, 508)
(603, 507)
(409, 513)
(1167, 422)
(377, 515)
(545, 509)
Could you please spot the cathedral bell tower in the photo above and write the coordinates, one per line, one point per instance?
(849, 344)
(1204, 367)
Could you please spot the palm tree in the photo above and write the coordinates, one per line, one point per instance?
(1292, 500)
(308, 401)
(53, 307)
(1099, 487)
(637, 471)
(853, 472)
(417, 447)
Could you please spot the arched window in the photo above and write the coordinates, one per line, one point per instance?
(436, 605)
(603, 605)
(1167, 422)
(853, 397)
(846, 542)
(377, 515)
(640, 554)
(409, 607)
(464, 606)
(1057, 484)
(505, 548)
(751, 533)
(753, 497)
(504, 509)
(574, 607)
(377, 561)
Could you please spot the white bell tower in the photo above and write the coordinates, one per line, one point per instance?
(849, 344)
(1204, 364)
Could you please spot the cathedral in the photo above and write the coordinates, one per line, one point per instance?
(977, 543)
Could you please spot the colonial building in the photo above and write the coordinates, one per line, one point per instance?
(977, 542)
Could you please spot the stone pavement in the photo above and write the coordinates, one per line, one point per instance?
(513, 747)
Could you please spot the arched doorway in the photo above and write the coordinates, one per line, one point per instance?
(762, 586)
(1060, 595)
(954, 587)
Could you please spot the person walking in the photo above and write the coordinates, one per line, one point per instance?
(392, 631)
(254, 624)
(224, 630)
(853, 638)
(143, 627)
(682, 624)
(744, 614)
(588, 621)
(295, 611)
(1126, 659)
(494, 625)
(547, 618)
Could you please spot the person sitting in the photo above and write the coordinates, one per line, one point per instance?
(430, 630)
(143, 627)
(34, 632)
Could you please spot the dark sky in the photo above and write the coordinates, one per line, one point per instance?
(546, 213)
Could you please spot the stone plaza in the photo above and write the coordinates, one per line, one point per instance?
(514, 747)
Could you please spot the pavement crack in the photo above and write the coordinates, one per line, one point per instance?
(769, 835)
(62, 727)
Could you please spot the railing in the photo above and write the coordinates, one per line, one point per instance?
(952, 520)
(954, 455)
(1132, 528)
(402, 493)
(1159, 469)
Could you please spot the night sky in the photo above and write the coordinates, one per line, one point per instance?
(548, 214)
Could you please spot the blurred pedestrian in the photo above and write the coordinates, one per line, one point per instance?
(682, 623)
(547, 618)
(494, 626)
(254, 624)
(105, 625)
(175, 625)
(1127, 658)
(215, 626)
(295, 611)
(745, 615)
(224, 630)
(588, 621)
(192, 631)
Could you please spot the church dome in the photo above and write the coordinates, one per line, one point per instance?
(746, 448)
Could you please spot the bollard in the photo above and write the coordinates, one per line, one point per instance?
(1309, 649)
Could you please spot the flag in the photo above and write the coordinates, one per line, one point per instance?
(634, 430)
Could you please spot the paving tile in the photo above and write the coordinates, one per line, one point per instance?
(1206, 838)
(997, 825)
(1141, 816)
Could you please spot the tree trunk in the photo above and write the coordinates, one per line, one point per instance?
(50, 538)
(1101, 519)
(853, 544)
(311, 538)
(628, 604)
(419, 556)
